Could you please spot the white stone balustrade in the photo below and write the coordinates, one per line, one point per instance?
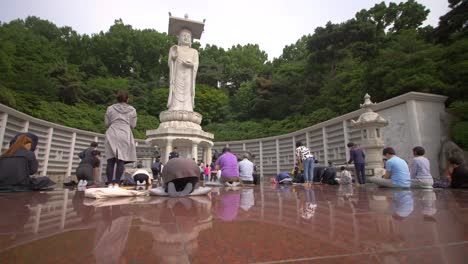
(414, 119)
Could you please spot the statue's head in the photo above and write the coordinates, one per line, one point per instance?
(185, 38)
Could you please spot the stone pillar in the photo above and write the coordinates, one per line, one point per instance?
(47, 151)
(25, 126)
(261, 159)
(3, 125)
(325, 145)
(195, 151)
(294, 150)
(165, 154)
(346, 138)
(209, 155)
(277, 157)
(71, 153)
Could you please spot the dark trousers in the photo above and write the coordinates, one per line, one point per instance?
(180, 183)
(120, 167)
(360, 172)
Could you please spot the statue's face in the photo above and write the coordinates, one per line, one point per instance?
(185, 38)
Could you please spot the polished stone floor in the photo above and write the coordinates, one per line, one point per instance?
(261, 224)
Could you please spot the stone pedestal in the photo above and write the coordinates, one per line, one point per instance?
(181, 129)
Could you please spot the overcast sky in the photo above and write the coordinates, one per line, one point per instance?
(270, 23)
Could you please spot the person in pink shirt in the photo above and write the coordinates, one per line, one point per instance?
(227, 163)
(207, 172)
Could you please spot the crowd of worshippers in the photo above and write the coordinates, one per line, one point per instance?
(398, 173)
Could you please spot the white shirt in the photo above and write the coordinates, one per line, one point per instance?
(246, 168)
(142, 171)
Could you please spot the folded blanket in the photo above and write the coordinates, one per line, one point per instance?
(102, 193)
(159, 191)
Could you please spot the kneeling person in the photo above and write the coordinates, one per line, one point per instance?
(88, 169)
(142, 176)
(180, 176)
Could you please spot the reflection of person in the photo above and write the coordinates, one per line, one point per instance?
(428, 198)
(308, 209)
(120, 145)
(402, 205)
(180, 176)
(357, 156)
(111, 235)
(421, 170)
(229, 206)
(247, 199)
(396, 173)
(183, 66)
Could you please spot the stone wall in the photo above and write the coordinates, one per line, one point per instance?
(414, 119)
(58, 147)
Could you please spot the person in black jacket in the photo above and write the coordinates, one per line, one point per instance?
(458, 173)
(22, 148)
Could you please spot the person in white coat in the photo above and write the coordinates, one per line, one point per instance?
(119, 145)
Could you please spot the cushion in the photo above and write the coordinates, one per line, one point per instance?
(159, 191)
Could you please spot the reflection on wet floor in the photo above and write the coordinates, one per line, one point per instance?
(267, 223)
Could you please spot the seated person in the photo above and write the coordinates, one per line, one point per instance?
(180, 176)
(458, 174)
(283, 178)
(142, 176)
(345, 176)
(22, 148)
(318, 172)
(421, 170)
(32, 136)
(88, 169)
(397, 173)
(246, 169)
(227, 163)
(329, 174)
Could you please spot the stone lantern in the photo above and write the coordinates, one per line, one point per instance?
(370, 123)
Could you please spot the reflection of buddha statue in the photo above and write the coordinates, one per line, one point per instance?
(183, 66)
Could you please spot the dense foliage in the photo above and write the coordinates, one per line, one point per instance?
(56, 74)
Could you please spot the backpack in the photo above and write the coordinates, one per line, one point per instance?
(156, 166)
